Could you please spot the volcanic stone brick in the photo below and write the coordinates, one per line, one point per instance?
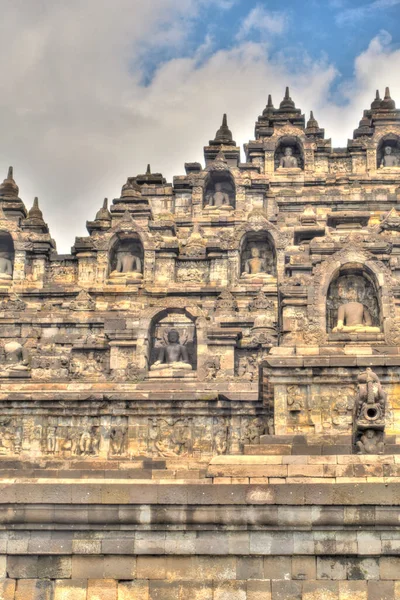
(381, 590)
(70, 589)
(258, 589)
(34, 589)
(102, 589)
(7, 589)
(285, 590)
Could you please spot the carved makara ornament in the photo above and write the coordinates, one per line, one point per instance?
(369, 414)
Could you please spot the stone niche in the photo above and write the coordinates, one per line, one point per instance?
(388, 152)
(6, 256)
(173, 344)
(126, 259)
(289, 154)
(257, 257)
(219, 191)
(353, 286)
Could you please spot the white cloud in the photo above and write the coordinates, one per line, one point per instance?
(76, 118)
(352, 15)
(264, 22)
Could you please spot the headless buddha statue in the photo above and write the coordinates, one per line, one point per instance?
(6, 268)
(219, 200)
(173, 355)
(128, 266)
(354, 317)
(389, 159)
(288, 161)
(255, 267)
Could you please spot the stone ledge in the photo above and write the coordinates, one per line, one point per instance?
(152, 492)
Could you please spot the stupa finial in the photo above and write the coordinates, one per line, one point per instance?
(223, 135)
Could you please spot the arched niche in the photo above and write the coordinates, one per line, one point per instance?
(257, 256)
(388, 151)
(289, 154)
(219, 191)
(354, 284)
(126, 258)
(6, 256)
(173, 341)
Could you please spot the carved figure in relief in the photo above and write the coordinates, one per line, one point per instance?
(6, 267)
(389, 159)
(219, 199)
(370, 442)
(128, 265)
(371, 397)
(173, 355)
(288, 161)
(117, 437)
(220, 434)
(354, 317)
(51, 439)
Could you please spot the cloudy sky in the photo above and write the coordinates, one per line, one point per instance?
(93, 90)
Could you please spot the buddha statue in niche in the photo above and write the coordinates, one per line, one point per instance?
(173, 355)
(389, 159)
(128, 265)
(6, 267)
(219, 199)
(16, 358)
(354, 317)
(255, 267)
(288, 161)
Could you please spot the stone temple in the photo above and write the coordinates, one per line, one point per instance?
(202, 400)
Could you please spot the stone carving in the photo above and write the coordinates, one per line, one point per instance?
(258, 265)
(6, 266)
(389, 159)
(87, 364)
(170, 437)
(226, 303)
(251, 431)
(16, 359)
(219, 199)
(247, 366)
(83, 301)
(220, 436)
(118, 437)
(210, 369)
(369, 412)
(173, 354)
(10, 437)
(261, 303)
(352, 315)
(288, 161)
(191, 272)
(128, 263)
(296, 398)
(13, 303)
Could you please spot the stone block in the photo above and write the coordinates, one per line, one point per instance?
(364, 568)
(22, 567)
(381, 590)
(389, 567)
(353, 590)
(230, 590)
(34, 589)
(195, 590)
(119, 567)
(286, 590)
(320, 590)
(151, 567)
(54, 567)
(87, 567)
(164, 590)
(259, 589)
(102, 589)
(70, 589)
(7, 589)
(304, 567)
(331, 568)
(133, 590)
(277, 567)
(249, 568)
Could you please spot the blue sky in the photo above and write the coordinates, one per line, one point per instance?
(93, 90)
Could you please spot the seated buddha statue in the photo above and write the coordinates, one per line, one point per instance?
(288, 161)
(219, 199)
(173, 355)
(354, 317)
(6, 267)
(128, 266)
(389, 159)
(15, 357)
(255, 267)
